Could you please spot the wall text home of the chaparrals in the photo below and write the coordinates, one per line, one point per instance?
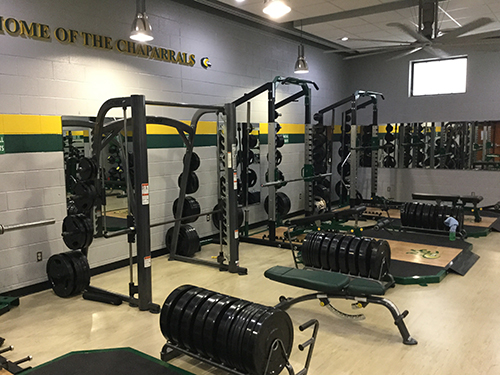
(40, 31)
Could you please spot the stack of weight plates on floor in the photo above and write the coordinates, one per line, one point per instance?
(188, 242)
(230, 331)
(356, 256)
(430, 216)
(69, 273)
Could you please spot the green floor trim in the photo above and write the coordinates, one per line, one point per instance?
(421, 280)
(143, 355)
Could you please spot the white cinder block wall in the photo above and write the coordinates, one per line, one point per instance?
(53, 78)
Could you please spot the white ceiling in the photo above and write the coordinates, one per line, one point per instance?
(374, 26)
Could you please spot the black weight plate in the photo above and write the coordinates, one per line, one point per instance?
(352, 255)
(81, 268)
(85, 195)
(167, 309)
(407, 213)
(403, 214)
(445, 210)
(61, 275)
(252, 141)
(252, 178)
(74, 233)
(212, 323)
(324, 252)
(364, 254)
(322, 191)
(389, 128)
(189, 317)
(199, 322)
(319, 154)
(78, 272)
(191, 207)
(86, 169)
(438, 214)
(234, 354)
(254, 310)
(411, 214)
(343, 251)
(333, 252)
(251, 157)
(380, 259)
(426, 220)
(195, 161)
(248, 335)
(340, 189)
(344, 168)
(389, 162)
(284, 203)
(87, 223)
(279, 157)
(316, 250)
(193, 184)
(418, 215)
(432, 217)
(306, 247)
(177, 316)
(222, 338)
(319, 139)
(389, 137)
(272, 325)
(280, 140)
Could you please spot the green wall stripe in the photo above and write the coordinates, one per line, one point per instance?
(15, 144)
(289, 138)
(174, 141)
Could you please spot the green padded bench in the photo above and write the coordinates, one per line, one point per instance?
(330, 284)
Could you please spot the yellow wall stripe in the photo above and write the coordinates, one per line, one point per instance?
(285, 128)
(30, 124)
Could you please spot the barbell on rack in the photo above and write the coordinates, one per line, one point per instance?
(8, 228)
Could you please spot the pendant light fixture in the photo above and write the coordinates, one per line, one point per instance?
(301, 66)
(276, 8)
(141, 28)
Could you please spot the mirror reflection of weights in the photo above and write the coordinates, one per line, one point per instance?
(389, 160)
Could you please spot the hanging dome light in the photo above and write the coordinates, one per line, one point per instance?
(301, 66)
(276, 8)
(141, 28)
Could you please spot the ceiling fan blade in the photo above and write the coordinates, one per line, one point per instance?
(376, 40)
(437, 52)
(365, 49)
(376, 52)
(480, 22)
(400, 55)
(411, 32)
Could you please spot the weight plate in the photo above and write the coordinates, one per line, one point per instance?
(252, 141)
(333, 252)
(212, 323)
(407, 213)
(352, 255)
(248, 335)
(280, 140)
(82, 270)
(189, 317)
(61, 275)
(254, 310)
(380, 259)
(343, 251)
(316, 250)
(402, 212)
(439, 217)
(222, 337)
(389, 128)
(418, 215)
(177, 316)
(411, 214)
(86, 169)
(319, 154)
(306, 247)
(426, 220)
(319, 168)
(195, 161)
(344, 170)
(167, 309)
(199, 322)
(273, 325)
(191, 207)
(234, 354)
(319, 205)
(321, 191)
(89, 228)
(364, 254)
(319, 139)
(74, 232)
(193, 183)
(338, 187)
(188, 241)
(283, 204)
(251, 177)
(432, 217)
(389, 162)
(389, 137)
(85, 196)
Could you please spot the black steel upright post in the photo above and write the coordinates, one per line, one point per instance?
(271, 152)
(232, 195)
(354, 155)
(141, 192)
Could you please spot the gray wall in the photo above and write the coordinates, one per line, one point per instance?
(480, 102)
(51, 78)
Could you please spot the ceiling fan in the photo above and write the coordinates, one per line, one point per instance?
(427, 37)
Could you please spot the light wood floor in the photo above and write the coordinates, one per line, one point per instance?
(456, 322)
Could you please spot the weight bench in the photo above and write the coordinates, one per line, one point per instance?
(330, 284)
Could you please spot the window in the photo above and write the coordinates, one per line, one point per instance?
(436, 77)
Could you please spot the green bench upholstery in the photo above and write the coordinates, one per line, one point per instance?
(325, 281)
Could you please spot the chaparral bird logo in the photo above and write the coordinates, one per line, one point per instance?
(205, 62)
(427, 254)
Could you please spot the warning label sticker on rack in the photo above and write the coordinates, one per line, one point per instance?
(235, 181)
(147, 261)
(236, 234)
(145, 194)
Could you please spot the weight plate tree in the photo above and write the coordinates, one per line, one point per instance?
(232, 332)
(351, 255)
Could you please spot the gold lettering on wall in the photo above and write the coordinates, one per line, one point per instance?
(40, 31)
